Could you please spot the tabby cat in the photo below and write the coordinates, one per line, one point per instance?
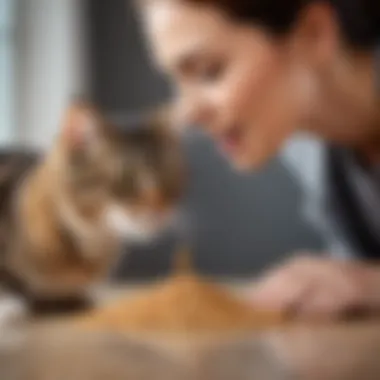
(65, 215)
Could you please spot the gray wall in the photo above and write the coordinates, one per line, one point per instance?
(240, 223)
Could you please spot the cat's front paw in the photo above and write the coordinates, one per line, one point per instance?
(60, 306)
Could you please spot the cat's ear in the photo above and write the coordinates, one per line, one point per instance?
(80, 126)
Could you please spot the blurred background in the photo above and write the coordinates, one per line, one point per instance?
(51, 50)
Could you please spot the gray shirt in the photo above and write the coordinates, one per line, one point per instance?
(306, 158)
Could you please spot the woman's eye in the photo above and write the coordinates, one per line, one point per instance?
(211, 72)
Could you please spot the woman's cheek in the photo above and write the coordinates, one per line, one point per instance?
(270, 125)
(238, 97)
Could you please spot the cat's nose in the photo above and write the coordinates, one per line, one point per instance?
(154, 200)
(161, 207)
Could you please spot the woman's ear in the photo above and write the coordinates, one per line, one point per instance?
(80, 125)
(316, 33)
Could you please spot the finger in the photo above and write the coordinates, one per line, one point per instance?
(280, 292)
(322, 292)
(287, 287)
(320, 304)
(329, 300)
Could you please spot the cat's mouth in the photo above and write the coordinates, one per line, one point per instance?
(137, 227)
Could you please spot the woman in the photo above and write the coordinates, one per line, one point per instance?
(252, 73)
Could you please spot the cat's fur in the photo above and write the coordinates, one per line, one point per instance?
(65, 215)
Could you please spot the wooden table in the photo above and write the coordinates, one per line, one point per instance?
(53, 351)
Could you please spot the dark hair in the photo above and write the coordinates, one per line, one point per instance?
(359, 19)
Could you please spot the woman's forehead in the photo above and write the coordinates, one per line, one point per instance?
(177, 29)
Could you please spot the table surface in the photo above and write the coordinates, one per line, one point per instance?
(305, 352)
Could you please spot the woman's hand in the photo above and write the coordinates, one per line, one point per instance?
(313, 286)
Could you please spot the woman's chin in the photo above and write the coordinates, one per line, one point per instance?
(250, 162)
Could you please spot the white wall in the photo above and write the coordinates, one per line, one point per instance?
(7, 27)
(50, 66)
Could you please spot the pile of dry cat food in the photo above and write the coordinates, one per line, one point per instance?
(183, 303)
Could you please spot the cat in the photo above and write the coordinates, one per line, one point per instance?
(65, 215)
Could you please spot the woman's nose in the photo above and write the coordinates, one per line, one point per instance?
(194, 112)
